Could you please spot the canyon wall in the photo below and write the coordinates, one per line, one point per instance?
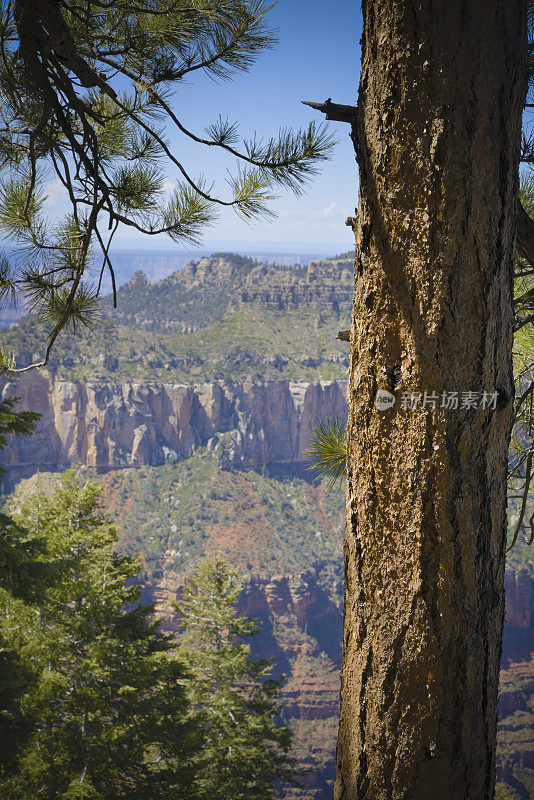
(110, 426)
(301, 630)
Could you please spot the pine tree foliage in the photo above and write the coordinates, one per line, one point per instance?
(104, 704)
(18, 423)
(23, 575)
(522, 440)
(501, 792)
(244, 750)
(86, 99)
(19, 569)
(328, 451)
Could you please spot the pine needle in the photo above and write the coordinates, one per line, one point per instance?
(328, 451)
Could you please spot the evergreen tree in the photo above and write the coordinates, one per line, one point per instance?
(106, 705)
(85, 95)
(17, 562)
(244, 749)
(23, 575)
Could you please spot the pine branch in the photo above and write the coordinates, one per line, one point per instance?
(328, 451)
(60, 111)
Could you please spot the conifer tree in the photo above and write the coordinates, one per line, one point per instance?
(22, 575)
(106, 706)
(17, 563)
(244, 750)
(85, 100)
(437, 134)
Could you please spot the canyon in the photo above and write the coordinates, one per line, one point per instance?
(194, 403)
(134, 430)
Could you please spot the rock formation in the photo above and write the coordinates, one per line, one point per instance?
(114, 423)
(113, 426)
(109, 426)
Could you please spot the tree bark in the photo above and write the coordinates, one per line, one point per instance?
(438, 124)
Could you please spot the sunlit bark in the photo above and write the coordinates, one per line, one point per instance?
(438, 122)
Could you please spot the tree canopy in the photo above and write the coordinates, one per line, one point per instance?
(102, 702)
(96, 701)
(244, 748)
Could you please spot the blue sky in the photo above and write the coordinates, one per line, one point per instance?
(318, 56)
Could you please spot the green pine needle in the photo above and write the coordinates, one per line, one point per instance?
(7, 360)
(8, 286)
(187, 214)
(328, 451)
(108, 146)
(83, 311)
(19, 207)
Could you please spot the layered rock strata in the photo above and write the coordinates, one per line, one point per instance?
(109, 426)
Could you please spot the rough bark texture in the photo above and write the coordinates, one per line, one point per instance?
(438, 123)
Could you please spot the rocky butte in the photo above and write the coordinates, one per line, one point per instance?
(195, 403)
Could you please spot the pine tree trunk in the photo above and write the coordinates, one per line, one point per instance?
(438, 123)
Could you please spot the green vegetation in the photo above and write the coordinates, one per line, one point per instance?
(24, 577)
(17, 558)
(275, 523)
(226, 319)
(243, 751)
(103, 703)
(267, 523)
(328, 450)
(243, 263)
(18, 423)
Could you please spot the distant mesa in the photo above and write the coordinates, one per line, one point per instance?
(222, 318)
